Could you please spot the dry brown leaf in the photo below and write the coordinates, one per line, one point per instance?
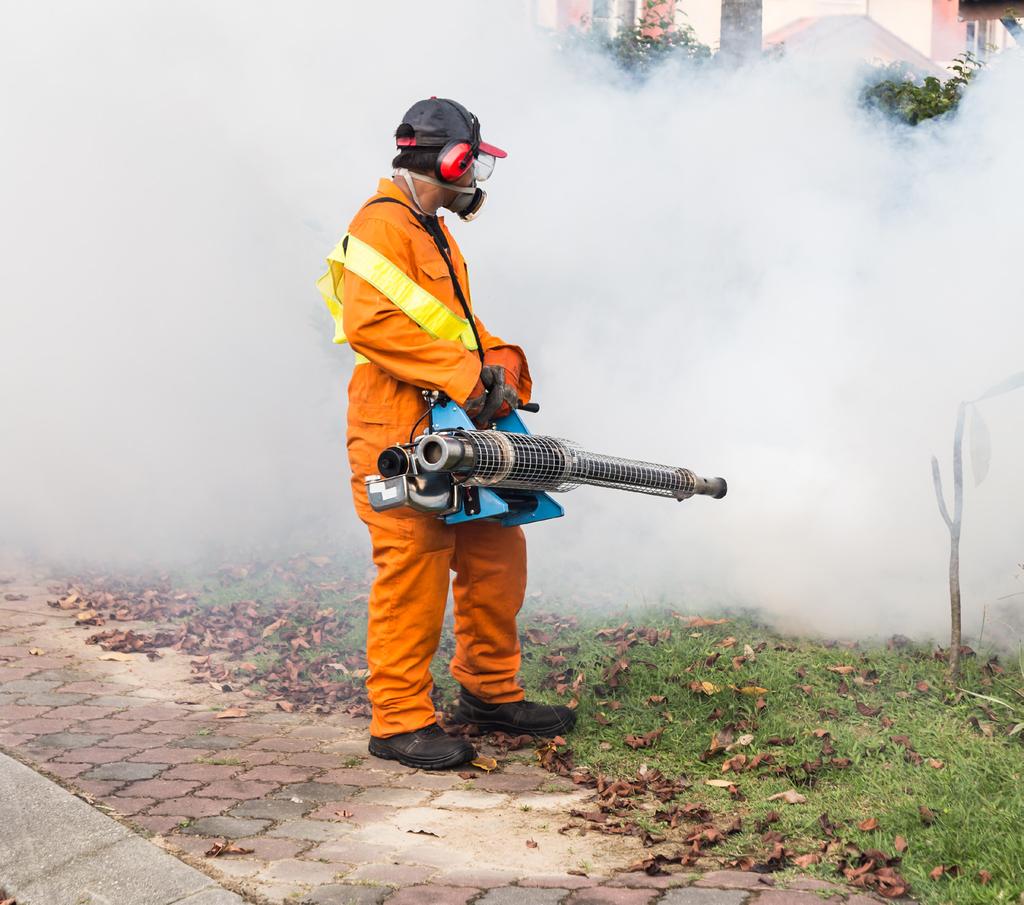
(868, 825)
(36, 651)
(699, 621)
(487, 764)
(226, 847)
(751, 690)
(273, 627)
(530, 843)
(719, 783)
(727, 642)
(790, 796)
(116, 655)
(286, 706)
(900, 844)
(935, 764)
(842, 670)
(232, 713)
(86, 615)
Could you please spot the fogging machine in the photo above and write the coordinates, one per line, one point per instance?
(460, 473)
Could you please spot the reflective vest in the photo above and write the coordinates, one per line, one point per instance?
(432, 315)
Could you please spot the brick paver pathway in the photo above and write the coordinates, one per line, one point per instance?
(327, 824)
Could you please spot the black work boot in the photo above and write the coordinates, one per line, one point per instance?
(515, 718)
(428, 748)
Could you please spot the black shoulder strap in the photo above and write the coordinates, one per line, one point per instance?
(433, 229)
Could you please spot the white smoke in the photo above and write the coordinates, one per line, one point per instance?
(743, 273)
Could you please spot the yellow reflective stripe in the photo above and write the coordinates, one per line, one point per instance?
(361, 359)
(431, 314)
(331, 288)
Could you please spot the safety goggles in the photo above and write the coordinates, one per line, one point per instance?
(483, 166)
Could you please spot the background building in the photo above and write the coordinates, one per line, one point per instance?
(918, 31)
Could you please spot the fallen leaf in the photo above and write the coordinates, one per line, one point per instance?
(984, 878)
(751, 690)
(927, 815)
(115, 655)
(718, 783)
(286, 706)
(487, 764)
(900, 844)
(727, 642)
(864, 710)
(699, 621)
(343, 814)
(36, 651)
(790, 796)
(232, 713)
(922, 686)
(805, 861)
(935, 764)
(842, 670)
(226, 847)
(530, 843)
(86, 616)
(273, 627)
(868, 825)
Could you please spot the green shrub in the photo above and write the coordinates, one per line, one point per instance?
(903, 98)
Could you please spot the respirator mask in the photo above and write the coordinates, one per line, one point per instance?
(470, 198)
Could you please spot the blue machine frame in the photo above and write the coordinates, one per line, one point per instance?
(451, 416)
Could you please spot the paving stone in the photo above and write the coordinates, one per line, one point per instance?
(292, 870)
(387, 766)
(736, 879)
(125, 771)
(508, 782)
(552, 801)
(316, 791)
(66, 771)
(112, 726)
(313, 830)
(482, 879)
(202, 772)
(13, 673)
(115, 701)
(98, 788)
(357, 777)
(356, 746)
(693, 896)
(358, 813)
(53, 699)
(62, 675)
(320, 732)
(284, 744)
(161, 826)
(12, 712)
(242, 729)
(340, 894)
(95, 754)
(128, 739)
(277, 774)
(281, 893)
(351, 852)
(14, 739)
(155, 712)
(610, 895)
(398, 798)
(813, 883)
(391, 874)
(42, 726)
(430, 781)
(30, 686)
(160, 788)
(127, 806)
(234, 867)
(868, 900)
(314, 759)
(263, 849)
(226, 827)
(208, 742)
(474, 801)
(272, 808)
(643, 881)
(166, 756)
(788, 897)
(559, 881)
(69, 740)
(173, 728)
(79, 712)
(234, 788)
(90, 686)
(245, 757)
(432, 895)
(191, 806)
(517, 895)
(212, 896)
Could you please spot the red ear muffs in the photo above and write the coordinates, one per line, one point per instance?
(455, 158)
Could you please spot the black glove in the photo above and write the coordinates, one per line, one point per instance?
(499, 393)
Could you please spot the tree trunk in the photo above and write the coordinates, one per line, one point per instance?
(954, 544)
(741, 31)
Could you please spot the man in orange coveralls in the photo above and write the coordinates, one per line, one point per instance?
(398, 289)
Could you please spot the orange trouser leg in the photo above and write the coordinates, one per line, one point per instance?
(490, 562)
(407, 602)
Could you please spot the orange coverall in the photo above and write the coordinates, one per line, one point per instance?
(416, 552)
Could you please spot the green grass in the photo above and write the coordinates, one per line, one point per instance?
(976, 796)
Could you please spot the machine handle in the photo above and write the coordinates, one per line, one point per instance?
(532, 407)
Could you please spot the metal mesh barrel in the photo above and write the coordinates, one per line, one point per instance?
(525, 462)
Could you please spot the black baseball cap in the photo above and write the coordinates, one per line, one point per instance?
(434, 122)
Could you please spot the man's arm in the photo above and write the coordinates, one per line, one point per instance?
(387, 336)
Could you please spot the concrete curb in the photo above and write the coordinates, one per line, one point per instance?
(57, 850)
